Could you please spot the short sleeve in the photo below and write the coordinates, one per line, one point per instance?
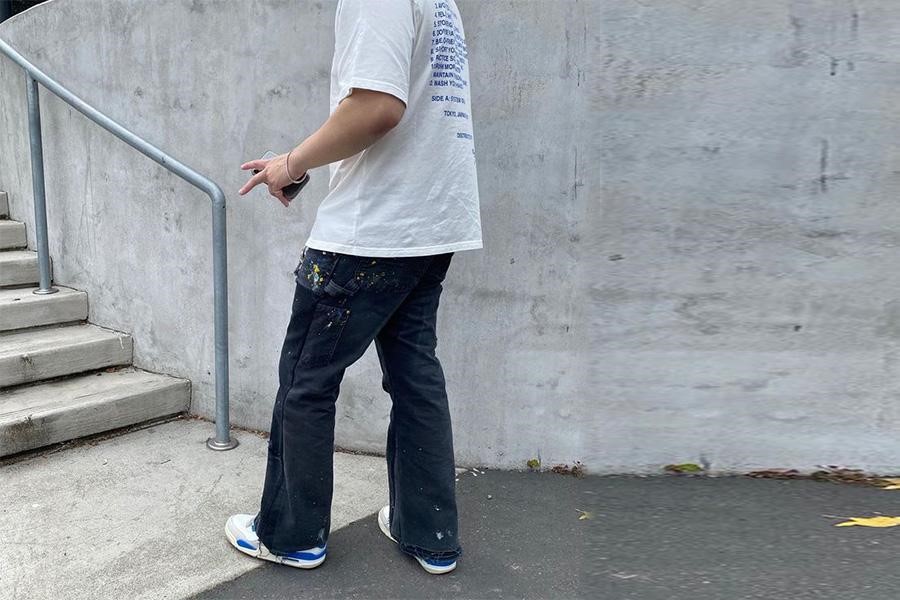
(373, 46)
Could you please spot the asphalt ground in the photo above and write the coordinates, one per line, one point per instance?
(522, 536)
(647, 538)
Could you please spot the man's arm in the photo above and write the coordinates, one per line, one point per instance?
(360, 120)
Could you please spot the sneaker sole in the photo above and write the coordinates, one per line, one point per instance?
(384, 529)
(429, 568)
(275, 558)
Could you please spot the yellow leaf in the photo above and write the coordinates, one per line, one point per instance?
(894, 483)
(684, 468)
(585, 515)
(871, 522)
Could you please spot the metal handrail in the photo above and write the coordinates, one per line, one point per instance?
(222, 439)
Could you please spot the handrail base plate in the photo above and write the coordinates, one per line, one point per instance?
(214, 444)
(41, 292)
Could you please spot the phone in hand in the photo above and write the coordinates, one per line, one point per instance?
(292, 189)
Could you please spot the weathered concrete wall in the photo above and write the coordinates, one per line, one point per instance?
(747, 284)
(689, 210)
(218, 83)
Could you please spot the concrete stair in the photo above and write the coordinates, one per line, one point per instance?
(12, 235)
(62, 378)
(56, 411)
(35, 354)
(19, 267)
(20, 308)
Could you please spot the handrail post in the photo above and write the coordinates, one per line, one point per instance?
(37, 181)
(222, 441)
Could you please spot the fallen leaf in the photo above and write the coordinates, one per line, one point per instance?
(870, 522)
(684, 468)
(585, 515)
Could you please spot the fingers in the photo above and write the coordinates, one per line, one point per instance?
(282, 198)
(278, 194)
(254, 164)
(252, 182)
(262, 177)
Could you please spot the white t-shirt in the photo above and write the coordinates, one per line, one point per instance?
(414, 192)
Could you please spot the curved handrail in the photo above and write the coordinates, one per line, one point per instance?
(222, 440)
(129, 137)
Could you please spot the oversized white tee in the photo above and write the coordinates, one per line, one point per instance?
(414, 192)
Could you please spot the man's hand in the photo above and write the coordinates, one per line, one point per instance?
(273, 173)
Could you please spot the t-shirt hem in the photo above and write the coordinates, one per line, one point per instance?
(378, 86)
(393, 252)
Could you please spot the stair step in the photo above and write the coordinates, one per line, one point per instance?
(12, 234)
(20, 308)
(36, 354)
(20, 267)
(4, 206)
(56, 411)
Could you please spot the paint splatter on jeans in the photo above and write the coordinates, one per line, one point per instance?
(341, 304)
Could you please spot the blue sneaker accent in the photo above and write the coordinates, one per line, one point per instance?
(303, 555)
(440, 562)
(246, 544)
(435, 566)
(240, 531)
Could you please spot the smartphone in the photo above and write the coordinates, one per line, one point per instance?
(292, 189)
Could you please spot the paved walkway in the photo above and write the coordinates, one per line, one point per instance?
(141, 516)
(657, 538)
(522, 539)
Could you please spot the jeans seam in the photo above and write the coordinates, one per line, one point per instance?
(281, 427)
(396, 468)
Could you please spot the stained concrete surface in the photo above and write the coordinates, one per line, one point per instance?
(142, 515)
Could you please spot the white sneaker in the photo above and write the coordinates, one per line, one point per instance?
(241, 532)
(432, 565)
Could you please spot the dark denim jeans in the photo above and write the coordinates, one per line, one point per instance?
(341, 304)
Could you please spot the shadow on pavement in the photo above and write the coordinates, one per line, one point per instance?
(525, 541)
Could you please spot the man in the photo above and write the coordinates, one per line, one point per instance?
(402, 199)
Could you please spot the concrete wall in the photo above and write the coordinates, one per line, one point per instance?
(689, 207)
(746, 287)
(218, 83)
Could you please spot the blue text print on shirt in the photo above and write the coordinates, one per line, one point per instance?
(448, 65)
(448, 57)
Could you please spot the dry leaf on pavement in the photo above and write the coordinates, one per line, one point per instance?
(870, 522)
